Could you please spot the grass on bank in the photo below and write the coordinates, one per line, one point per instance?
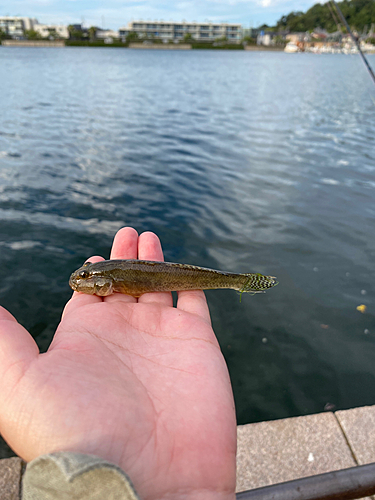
(96, 43)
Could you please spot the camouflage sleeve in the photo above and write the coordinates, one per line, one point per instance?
(62, 475)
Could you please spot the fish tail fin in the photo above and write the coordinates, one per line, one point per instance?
(257, 283)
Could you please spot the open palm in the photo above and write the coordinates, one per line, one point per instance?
(135, 381)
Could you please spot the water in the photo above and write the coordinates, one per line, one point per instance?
(239, 161)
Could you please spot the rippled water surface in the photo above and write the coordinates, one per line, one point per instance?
(243, 161)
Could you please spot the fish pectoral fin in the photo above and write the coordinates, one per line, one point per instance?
(103, 287)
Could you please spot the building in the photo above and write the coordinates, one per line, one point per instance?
(51, 31)
(298, 37)
(266, 38)
(251, 32)
(171, 31)
(106, 34)
(15, 26)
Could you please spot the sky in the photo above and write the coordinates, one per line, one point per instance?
(114, 14)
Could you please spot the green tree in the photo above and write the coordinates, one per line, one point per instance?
(92, 33)
(32, 35)
(358, 14)
(249, 40)
(132, 37)
(53, 35)
(188, 37)
(75, 34)
(3, 35)
(221, 39)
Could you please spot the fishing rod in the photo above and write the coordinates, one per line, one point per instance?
(344, 484)
(334, 17)
(355, 40)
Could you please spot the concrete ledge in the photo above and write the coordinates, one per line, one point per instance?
(282, 450)
(10, 478)
(358, 426)
(30, 43)
(292, 448)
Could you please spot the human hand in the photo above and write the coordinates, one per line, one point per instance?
(135, 381)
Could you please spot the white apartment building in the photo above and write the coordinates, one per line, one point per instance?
(167, 31)
(15, 26)
(106, 34)
(51, 30)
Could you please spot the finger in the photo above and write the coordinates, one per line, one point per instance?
(80, 299)
(149, 248)
(17, 349)
(125, 246)
(194, 302)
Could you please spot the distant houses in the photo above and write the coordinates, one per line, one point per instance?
(318, 38)
(25, 28)
(21, 28)
(51, 31)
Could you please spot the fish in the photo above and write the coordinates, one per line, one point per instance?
(136, 277)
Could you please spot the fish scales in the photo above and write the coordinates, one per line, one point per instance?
(135, 277)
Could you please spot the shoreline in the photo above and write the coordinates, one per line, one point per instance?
(263, 48)
(136, 45)
(32, 43)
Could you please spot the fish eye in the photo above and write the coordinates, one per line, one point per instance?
(83, 274)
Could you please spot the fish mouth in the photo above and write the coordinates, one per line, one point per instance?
(79, 285)
(73, 283)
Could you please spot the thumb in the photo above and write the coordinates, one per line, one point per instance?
(17, 350)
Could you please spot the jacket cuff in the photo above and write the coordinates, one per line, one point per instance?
(67, 475)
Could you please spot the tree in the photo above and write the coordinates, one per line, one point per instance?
(53, 35)
(188, 37)
(32, 35)
(221, 39)
(74, 33)
(92, 33)
(132, 37)
(3, 35)
(358, 13)
(250, 40)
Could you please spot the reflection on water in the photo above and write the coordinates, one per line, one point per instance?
(238, 161)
